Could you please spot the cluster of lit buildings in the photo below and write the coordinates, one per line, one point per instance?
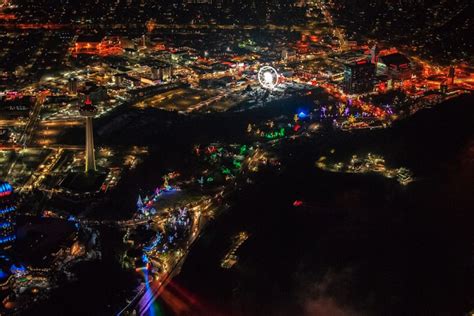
(365, 73)
(27, 276)
(7, 215)
(118, 70)
(95, 45)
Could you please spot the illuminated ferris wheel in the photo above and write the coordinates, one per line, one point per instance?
(268, 77)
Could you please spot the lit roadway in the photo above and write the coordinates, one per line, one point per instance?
(45, 169)
(122, 224)
(5, 122)
(31, 124)
(53, 26)
(328, 17)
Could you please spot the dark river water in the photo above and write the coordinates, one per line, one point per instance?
(359, 245)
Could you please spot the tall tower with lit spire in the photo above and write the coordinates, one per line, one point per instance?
(88, 110)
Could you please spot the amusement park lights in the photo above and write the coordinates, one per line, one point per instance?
(268, 77)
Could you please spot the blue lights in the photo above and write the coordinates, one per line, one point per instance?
(149, 294)
(17, 269)
(5, 225)
(155, 243)
(7, 210)
(5, 189)
(7, 219)
(7, 239)
(5, 258)
(302, 115)
(145, 206)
